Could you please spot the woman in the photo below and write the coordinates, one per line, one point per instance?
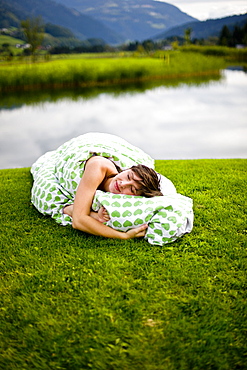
(65, 181)
(100, 173)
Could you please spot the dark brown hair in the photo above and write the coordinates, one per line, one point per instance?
(149, 183)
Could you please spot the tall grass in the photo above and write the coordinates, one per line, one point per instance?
(73, 301)
(230, 54)
(93, 72)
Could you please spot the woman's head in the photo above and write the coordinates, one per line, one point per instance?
(138, 180)
(149, 183)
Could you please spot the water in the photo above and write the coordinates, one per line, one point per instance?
(185, 121)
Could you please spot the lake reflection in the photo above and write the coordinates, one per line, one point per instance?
(206, 120)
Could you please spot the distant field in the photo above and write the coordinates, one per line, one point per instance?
(74, 301)
(230, 54)
(103, 71)
(12, 42)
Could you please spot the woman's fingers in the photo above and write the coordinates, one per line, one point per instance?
(106, 215)
(68, 210)
(137, 232)
(103, 215)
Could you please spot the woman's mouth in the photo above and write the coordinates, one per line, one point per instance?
(116, 187)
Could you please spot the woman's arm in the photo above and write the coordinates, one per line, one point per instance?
(100, 215)
(137, 232)
(97, 169)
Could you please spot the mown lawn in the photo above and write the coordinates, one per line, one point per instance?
(74, 301)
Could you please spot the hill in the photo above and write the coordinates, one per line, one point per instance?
(83, 26)
(204, 29)
(132, 19)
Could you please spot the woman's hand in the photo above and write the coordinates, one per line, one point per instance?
(103, 215)
(68, 210)
(137, 232)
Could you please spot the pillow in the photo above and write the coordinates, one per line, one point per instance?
(168, 217)
(166, 186)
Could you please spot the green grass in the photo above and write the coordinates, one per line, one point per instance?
(102, 71)
(12, 42)
(230, 54)
(74, 301)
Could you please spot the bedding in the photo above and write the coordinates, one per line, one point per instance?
(57, 174)
(168, 217)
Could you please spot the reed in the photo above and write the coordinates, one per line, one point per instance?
(103, 71)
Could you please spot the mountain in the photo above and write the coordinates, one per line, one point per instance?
(134, 20)
(204, 29)
(83, 26)
(113, 21)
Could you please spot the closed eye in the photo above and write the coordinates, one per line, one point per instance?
(133, 189)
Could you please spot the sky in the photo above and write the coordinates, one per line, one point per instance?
(207, 9)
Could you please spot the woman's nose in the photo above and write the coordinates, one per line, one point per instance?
(125, 183)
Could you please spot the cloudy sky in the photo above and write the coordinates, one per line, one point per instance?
(207, 9)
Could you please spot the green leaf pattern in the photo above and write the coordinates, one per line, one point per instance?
(168, 217)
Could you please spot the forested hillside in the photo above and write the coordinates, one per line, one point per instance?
(111, 22)
(133, 19)
(205, 29)
(83, 26)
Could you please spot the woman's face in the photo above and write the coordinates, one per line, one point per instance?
(125, 182)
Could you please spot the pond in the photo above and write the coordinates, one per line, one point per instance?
(179, 120)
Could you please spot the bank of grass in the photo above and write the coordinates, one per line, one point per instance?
(75, 301)
(104, 71)
(229, 54)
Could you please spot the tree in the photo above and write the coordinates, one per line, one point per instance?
(187, 35)
(238, 35)
(6, 52)
(225, 36)
(244, 41)
(33, 29)
(148, 45)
